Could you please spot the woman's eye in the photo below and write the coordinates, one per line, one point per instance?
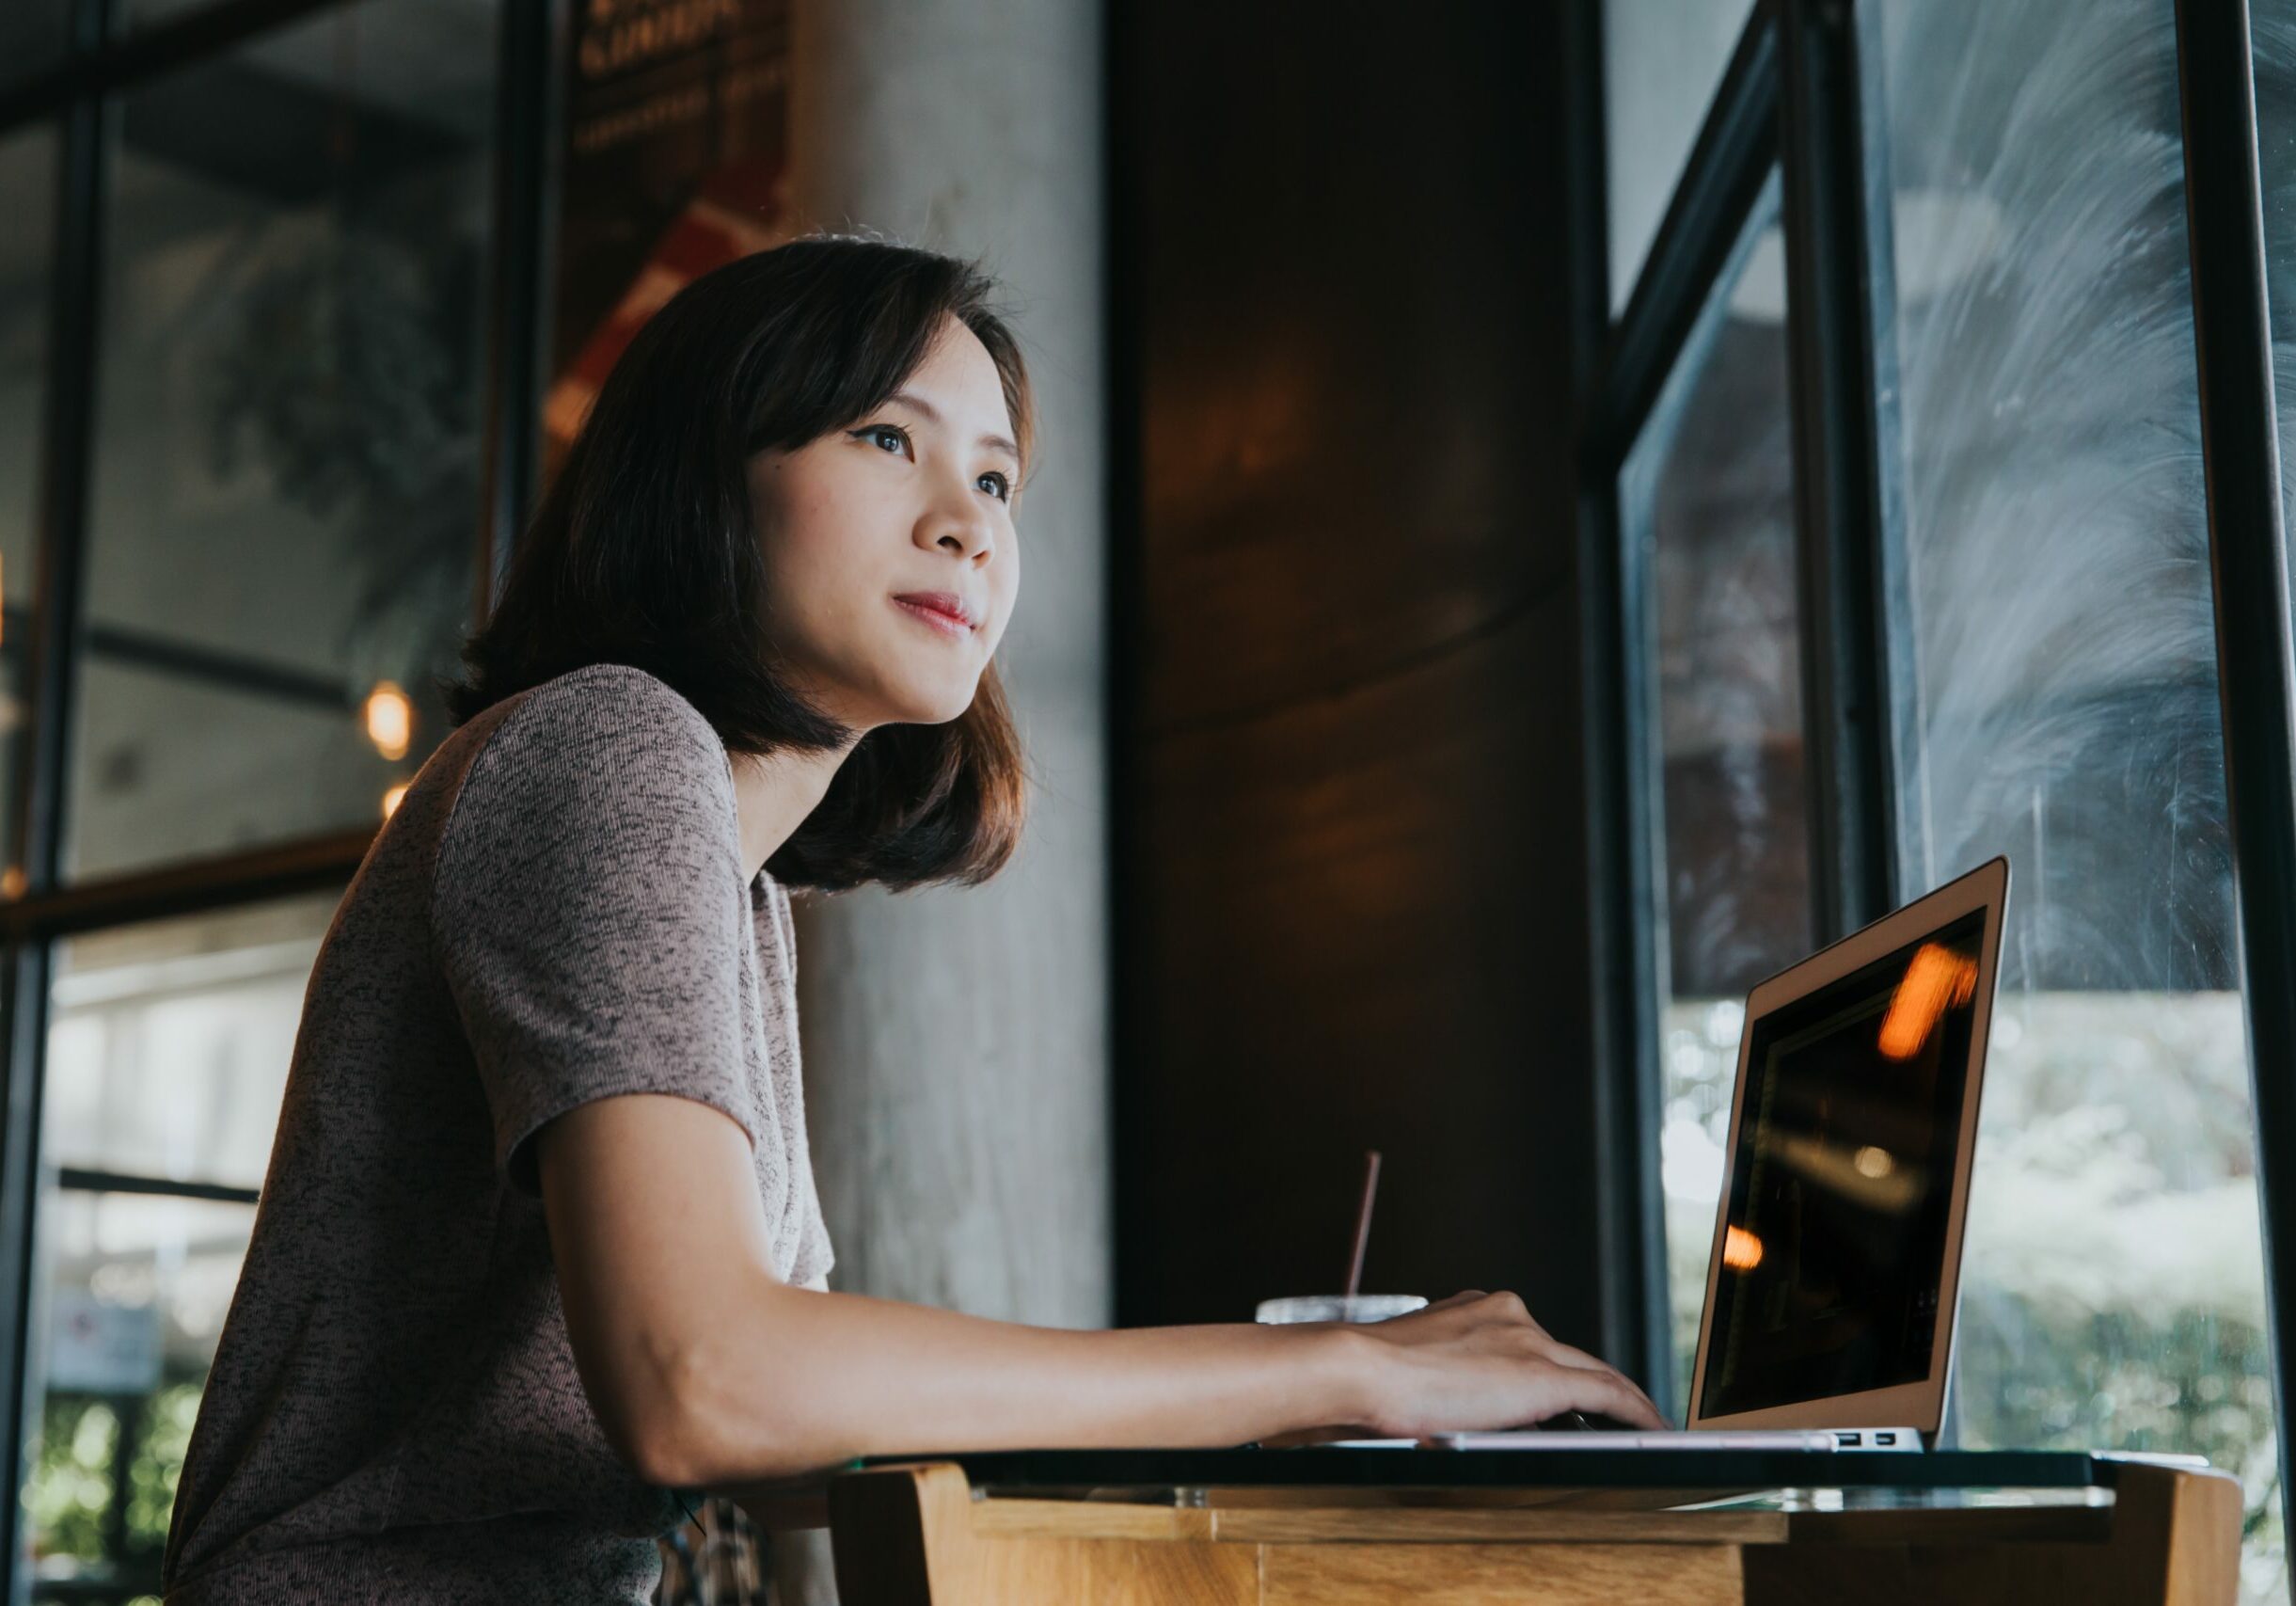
(879, 433)
(1003, 485)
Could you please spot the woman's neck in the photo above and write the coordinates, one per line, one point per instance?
(772, 797)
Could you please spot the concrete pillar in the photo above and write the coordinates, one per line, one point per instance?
(955, 1043)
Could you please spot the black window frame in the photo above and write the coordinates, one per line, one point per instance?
(1802, 89)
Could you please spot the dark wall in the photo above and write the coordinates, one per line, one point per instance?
(1351, 827)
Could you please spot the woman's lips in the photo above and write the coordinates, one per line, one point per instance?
(947, 624)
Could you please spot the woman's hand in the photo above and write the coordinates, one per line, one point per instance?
(1478, 1361)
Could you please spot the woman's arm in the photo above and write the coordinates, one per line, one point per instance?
(707, 1370)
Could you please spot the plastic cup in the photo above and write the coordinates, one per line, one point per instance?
(1338, 1308)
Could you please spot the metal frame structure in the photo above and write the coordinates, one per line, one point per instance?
(1801, 90)
(2248, 564)
(105, 60)
(1623, 372)
(528, 114)
(1849, 538)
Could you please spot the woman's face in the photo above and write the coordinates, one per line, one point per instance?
(913, 501)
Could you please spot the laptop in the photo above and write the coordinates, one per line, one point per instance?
(1832, 1288)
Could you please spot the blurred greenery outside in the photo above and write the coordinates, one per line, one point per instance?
(69, 1495)
(2112, 1286)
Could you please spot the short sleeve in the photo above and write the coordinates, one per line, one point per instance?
(589, 910)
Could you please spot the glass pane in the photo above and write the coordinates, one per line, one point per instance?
(169, 1043)
(2113, 1293)
(138, 1290)
(167, 1055)
(1708, 500)
(1662, 60)
(285, 490)
(2273, 30)
(27, 195)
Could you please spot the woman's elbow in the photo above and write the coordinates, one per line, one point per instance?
(660, 1453)
(643, 1402)
(698, 1435)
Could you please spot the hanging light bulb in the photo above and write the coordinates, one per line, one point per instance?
(391, 720)
(391, 800)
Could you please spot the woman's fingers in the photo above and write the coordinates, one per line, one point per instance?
(1504, 1307)
(1610, 1395)
(1467, 1297)
(1628, 1404)
(1645, 1410)
(1617, 1394)
(1636, 1406)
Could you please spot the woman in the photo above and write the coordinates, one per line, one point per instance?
(539, 1242)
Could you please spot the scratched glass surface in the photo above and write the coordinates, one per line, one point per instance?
(2273, 28)
(1708, 501)
(2064, 712)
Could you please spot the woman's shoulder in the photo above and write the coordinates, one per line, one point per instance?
(605, 747)
(613, 721)
(603, 768)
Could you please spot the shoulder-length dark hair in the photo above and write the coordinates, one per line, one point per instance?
(645, 550)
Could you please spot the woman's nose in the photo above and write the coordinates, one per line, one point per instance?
(968, 532)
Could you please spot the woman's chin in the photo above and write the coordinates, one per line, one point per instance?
(935, 706)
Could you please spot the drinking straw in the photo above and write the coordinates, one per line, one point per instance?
(1363, 1224)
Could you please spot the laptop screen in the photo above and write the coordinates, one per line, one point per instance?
(1842, 1183)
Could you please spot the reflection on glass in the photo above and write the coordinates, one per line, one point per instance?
(166, 1054)
(285, 485)
(1708, 498)
(28, 198)
(1661, 62)
(2057, 544)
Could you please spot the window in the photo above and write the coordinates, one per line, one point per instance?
(2056, 533)
(286, 465)
(167, 1048)
(1707, 497)
(249, 327)
(1662, 60)
(2033, 423)
(2274, 28)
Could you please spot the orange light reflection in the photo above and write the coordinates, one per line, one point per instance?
(1937, 978)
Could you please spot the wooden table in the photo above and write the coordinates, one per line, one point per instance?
(937, 1532)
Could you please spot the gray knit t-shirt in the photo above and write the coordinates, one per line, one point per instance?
(555, 913)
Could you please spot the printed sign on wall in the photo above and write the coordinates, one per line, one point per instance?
(675, 163)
